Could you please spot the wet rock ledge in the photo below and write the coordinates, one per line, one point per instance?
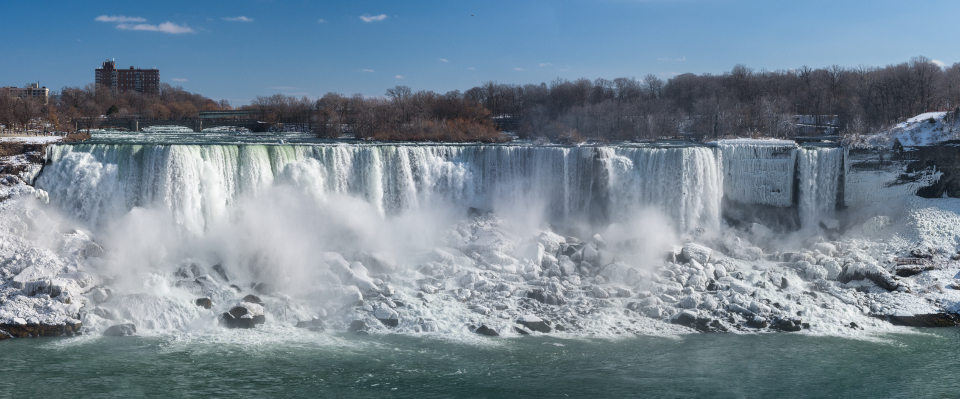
(38, 330)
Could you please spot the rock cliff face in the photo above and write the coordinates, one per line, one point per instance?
(943, 159)
(38, 330)
(20, 162)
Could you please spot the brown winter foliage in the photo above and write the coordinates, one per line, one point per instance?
(91, 102)
(742, 102)
(403, 115)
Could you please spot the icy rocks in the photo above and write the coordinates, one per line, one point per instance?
(387, 316)
(697, 252)
(533, 251)
(590, 254)
(534, 323)
(825, 248)
(833, 269)
(872, 272)
(377, 262)
(551, 241)
(120, 330)
(92, 250)
(244, 315)
(599, 292)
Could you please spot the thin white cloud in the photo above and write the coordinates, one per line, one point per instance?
(671, 74)
(178, 79)
(399, 77)
(119, 18)
(519, 69)
(471, 68)
(543, 64)
(366, 70)
(939, 63)
(321, 20)
(238, 19)
(373, 18)
(444, 60)
(286, 88)
(166, 27)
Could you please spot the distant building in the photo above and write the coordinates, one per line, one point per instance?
(145, 81)
(30, 90)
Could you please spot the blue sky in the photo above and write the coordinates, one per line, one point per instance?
(236, 50)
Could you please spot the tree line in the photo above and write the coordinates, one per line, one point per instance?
(402, 114)
(741, 102)
(92, 102)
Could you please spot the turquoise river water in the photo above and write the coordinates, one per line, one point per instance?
(258, 364)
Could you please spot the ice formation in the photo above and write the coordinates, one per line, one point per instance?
(759, 171)
(441, 239)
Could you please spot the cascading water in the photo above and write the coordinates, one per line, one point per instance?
(197, 183)
(819, 171)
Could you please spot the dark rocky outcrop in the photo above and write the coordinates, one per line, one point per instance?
(240, 317)
(205, 303)
(218, 268)
(685, 318)
(521, 330)
(387, 316)
(689, 318)
(546, 297)
(252, 299)
(484, 330)
(756, 323)
(121, 330)
(912, 270)
(38, 330)
(312, 325)
(357, 326)
(238, 311)
(926, 320)
(787, 325)
(534, 323)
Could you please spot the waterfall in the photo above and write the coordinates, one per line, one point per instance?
(819, 180)
(197, 184)
(759, 171)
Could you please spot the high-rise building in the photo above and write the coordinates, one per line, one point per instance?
(145, 81)
(30, 90)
